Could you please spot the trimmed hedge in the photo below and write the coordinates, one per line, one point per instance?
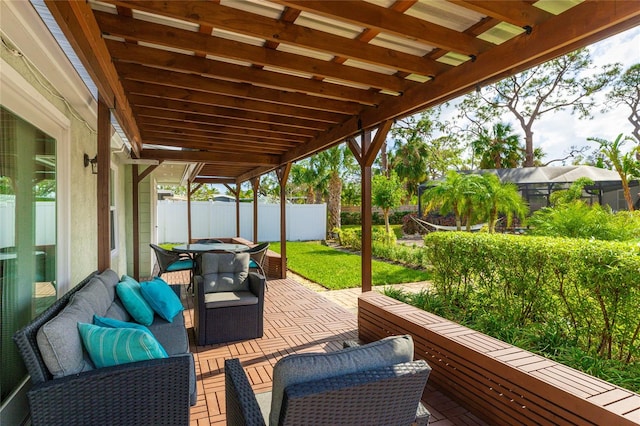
(354, 218)
(384, 247)
(590, 288)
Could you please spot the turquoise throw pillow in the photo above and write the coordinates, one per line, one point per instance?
(129, 293)
(115, 346)
(162, 298)
(114, 323)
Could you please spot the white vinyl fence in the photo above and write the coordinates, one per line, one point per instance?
(45, 220)
(218, 219)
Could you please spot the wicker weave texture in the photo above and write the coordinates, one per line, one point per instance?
(241, 403)
(154, 392)
(384, 396)
(228, 324)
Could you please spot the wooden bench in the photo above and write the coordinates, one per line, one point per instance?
(498, 382)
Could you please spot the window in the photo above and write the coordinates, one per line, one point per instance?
(28, 234)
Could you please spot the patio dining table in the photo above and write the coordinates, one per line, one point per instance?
(197, 248)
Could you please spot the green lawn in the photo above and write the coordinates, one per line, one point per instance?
(335, 269)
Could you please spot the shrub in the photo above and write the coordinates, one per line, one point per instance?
(579, 220)
(587, 288)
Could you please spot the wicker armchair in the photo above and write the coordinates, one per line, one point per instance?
(229, 300)
(381, 395)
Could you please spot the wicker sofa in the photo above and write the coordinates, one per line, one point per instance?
(150, 392)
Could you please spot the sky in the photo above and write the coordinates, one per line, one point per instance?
(556, 132)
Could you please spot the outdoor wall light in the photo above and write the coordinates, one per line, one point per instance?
(93, 161)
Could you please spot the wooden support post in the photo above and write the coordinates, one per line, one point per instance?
(255, 185)
(188, 212)
(283, 174)
(104, 172)
(366, 153)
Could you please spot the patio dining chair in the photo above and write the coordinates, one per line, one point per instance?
(258, 255)
(374, 384)
(171, 261)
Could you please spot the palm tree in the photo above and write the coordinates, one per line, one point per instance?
(625, 164)
(448, 195)
(304, 176)
(498, 148)
(333, 164)
(473, 192)
(410, 163)
(502, 198)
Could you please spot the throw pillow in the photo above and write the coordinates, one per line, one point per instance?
(300, 368)
(129, 293)
(115, 346)
(115, 323)
(164, 301)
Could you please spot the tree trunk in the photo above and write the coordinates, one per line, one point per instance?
(528, 140)
(384, 159)
(627, 193)
(311, 196)
(334, 203)
(386, 220)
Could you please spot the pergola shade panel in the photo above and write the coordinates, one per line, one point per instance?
(252, 85)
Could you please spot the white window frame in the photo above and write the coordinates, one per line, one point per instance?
(113, 209)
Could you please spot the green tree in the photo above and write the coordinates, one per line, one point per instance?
(625, 164)
(418, 154)
(334, 164)
(571, 194)
(304, 179)
(448, 195)
(387, 193)
(501, 198)
(569, 81)
(626, 91)
(498, 148)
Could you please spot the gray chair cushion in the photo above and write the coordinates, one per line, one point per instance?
(300, 368)
(229, 298)
(225, 272)
(59, 340)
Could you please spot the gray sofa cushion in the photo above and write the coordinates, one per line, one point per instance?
(229, 298)
(96, 296)
(118, 311)
(110, 279)
(171, 335)
(225, 272)
(59, 341)
(300, 368)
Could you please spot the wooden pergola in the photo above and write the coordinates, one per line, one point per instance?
(245, 87)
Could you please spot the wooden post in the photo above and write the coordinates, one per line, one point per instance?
(188, 212)
(104, 172)
(283, 174)
(366, 153)
(237, 194)
(255, 185)
(136, 222)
